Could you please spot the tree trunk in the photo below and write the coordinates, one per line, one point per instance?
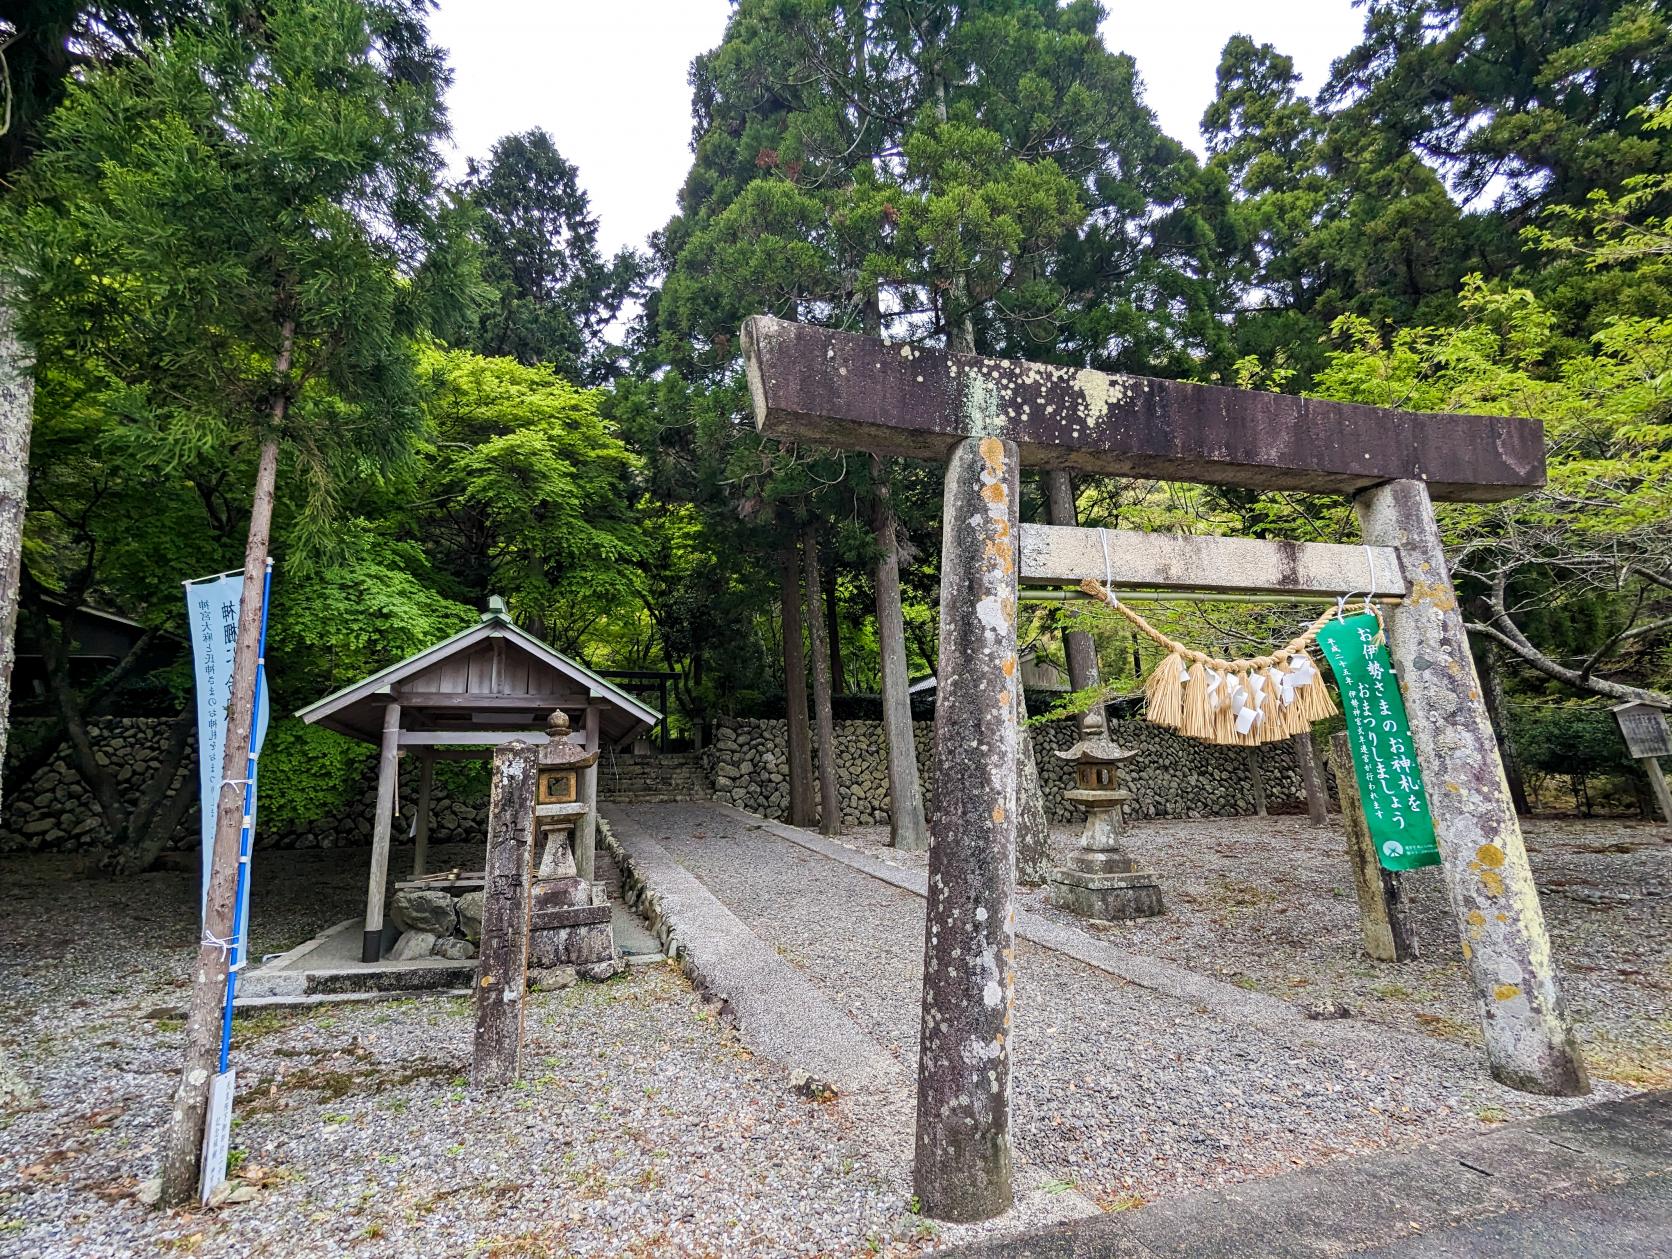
(830, 800)
(1497, 712)
(183, 1151)
(1033, 826)
(95, 702)
(798, 737)
(17, 408)
(1077, 644)
(960, 312)
(833, 632)
(1504, 632)
(908, 827)
(1311, 781)
(138, 824)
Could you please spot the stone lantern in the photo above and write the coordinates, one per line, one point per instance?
(1100, 880)
(557, 803)
(568, 921)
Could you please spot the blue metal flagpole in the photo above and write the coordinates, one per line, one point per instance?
(246, 835)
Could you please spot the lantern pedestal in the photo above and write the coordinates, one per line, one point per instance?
(1106, 897)
(569, 919)
(1100, 881)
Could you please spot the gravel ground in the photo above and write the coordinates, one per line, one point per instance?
(1267, 903)
(643, 1127)
(646, 1128)
(1126, 1094)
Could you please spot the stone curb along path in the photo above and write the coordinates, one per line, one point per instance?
(1277, 1018)
(786, 1016)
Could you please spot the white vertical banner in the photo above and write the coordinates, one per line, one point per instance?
(212, 605)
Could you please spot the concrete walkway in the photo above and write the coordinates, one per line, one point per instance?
(1594, 1183)
(1131, 1078)
(788, 1017)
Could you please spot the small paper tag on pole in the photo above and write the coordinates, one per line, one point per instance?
(1379, 734)
(217, 1133)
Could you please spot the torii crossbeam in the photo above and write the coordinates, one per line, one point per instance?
(983, 417)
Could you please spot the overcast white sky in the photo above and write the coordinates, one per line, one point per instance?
(607, 80)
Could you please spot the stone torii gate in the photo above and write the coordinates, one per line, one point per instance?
(984, 417)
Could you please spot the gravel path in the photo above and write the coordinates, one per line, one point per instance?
(1124, 1093)
(1267, 903)
(643, 1128)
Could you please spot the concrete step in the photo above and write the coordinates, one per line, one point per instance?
(651, 796)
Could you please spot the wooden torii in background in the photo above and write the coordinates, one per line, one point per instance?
(985, 418)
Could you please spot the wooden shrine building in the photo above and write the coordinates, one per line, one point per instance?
(460, 699)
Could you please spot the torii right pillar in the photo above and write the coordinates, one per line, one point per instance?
(1529, 1043)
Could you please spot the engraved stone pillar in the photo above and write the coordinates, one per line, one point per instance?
(502, 976)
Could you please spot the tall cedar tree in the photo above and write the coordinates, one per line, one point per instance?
(235, 235)
(556, 293)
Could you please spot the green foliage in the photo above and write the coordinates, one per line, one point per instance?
(372, 605)
(523, 489)
(308, 773)
(1579, 746)
(556, 294)
(1567, 739)
(1584, 563)
(232, 235)
(221, 180)
(1540, 94)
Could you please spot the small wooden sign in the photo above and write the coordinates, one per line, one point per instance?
(217, 1133)
(1643, 726)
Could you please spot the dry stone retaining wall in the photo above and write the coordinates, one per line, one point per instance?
(54, 812)
(1170, 776)
(747, 765)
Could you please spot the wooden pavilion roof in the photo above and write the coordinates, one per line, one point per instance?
(492, 677)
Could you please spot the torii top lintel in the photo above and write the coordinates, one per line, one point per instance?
(836, 389)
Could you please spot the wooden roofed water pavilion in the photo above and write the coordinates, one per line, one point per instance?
(460, 699)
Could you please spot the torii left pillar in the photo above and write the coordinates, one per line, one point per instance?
(963, 1167)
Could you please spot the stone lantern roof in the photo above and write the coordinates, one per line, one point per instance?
(557, 751)
(1095, 747)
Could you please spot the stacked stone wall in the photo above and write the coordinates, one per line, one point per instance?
(1170, 776)
(54, 811)
(747, 766)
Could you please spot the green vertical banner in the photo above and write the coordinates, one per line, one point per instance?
(1379, 733)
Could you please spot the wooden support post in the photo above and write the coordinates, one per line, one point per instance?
(388, 781)
(1383, 914)
(1317, 799)
(421, 826)
(1529, 1043)
(586, 830)
(798, 738)
(502, 979)
(1657, 784)
(963, 1164)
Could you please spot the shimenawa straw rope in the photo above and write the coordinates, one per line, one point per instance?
(1243, 703)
